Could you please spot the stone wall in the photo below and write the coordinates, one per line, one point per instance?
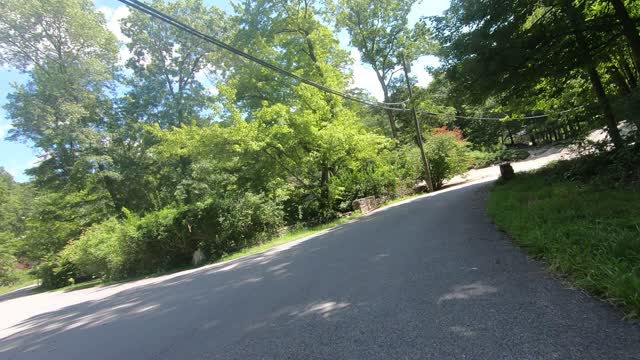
(367, 204)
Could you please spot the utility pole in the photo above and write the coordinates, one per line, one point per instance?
(425, 162)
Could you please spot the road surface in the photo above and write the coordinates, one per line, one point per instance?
(429, 279)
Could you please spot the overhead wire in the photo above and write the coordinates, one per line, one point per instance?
(144, 8)
(501, 118)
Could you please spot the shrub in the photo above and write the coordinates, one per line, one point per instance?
(481, 159)
(115, 249)
(54, 271)
(370, 178)
(7, 269)
(512, 155)
(162, 240)
(235, 222)
(165, 239)
(448, 156)
(101, 250)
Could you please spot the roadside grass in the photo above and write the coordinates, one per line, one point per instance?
(589, 232)
(24, 279)
(289, 236)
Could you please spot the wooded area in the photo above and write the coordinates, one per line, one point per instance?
(142, 163)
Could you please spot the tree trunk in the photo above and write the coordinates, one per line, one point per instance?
(325, 201)
(631, 77)
(618, 79)
(577, 21)
(111, 186)
(392, 122)
(605, 106)
(390, 114)
(629, 29)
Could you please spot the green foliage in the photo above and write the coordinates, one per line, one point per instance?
(512, 154)
(55, 272)
(481, 159)
(69, 54)
(15, 207)
(102, 250)
(518, 52)
(164, 239)
(381, 33)
(8, 274)
(448, 156)
(601, 166)
(166, 60)
(596, 246)
(234, 223)
(19, 278)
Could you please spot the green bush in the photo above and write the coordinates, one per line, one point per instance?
(230, 224)
(8, 274)
(512, 155)
(165, 239)
(55, 271)
(448, 156)
(481, 159)
(370, 178)
(101, 250)
(408, 165)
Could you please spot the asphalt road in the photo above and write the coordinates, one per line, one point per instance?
(430, 279)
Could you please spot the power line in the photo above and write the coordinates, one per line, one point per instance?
(501, 118)
(142, 7)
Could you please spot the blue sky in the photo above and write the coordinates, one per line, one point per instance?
(16, 157)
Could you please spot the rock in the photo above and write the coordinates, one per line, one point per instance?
(506, 171)
(198, 257)
(365, 205)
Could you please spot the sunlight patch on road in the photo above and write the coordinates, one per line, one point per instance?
(325, 309)
(462, 292)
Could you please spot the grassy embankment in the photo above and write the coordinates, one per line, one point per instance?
(582, 218)
(23, 279)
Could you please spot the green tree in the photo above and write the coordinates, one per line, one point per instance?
(379, 30)
(302, 130)
(69, 54)
(168, 64)
(15, 208)
(495, 48)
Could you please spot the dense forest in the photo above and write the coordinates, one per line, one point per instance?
(142, 163)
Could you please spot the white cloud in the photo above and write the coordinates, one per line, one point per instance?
(113, 17)
(4, 130)
(418, 68)
(208, 77)
(364, 77)
(34, 162)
